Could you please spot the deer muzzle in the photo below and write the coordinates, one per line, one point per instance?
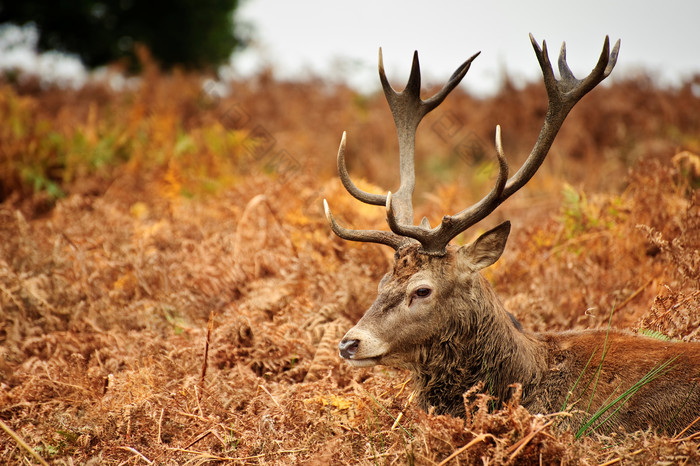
(361, 348)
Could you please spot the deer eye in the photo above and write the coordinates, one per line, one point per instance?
(420, 293)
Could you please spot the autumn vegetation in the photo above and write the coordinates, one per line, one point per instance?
(171, 293)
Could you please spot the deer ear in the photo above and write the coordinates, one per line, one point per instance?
(487, 248)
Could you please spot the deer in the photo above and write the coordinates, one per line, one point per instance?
(438, 317)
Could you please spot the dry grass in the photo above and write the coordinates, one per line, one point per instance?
(180, 217)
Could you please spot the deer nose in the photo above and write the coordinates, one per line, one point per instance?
(348, 348)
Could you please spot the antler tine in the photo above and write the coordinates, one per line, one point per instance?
(564, 70)
(613, 59)
(550, 82)
(497, 190)
(357, 193)
(454, 80)
(368, 236)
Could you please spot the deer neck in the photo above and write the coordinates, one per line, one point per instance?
(482, 342)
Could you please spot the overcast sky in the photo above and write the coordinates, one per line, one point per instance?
(341, 39)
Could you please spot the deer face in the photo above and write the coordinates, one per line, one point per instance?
(417, 299)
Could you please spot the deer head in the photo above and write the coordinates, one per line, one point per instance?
(435, 291)
(414, 303)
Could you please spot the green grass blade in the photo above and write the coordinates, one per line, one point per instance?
(606, 348)
(390, 415)
(571, 391)
(622, 399)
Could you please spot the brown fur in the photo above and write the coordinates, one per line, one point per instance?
(461, 335)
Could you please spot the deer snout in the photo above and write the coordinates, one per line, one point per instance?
(348, 348)
(361, 348)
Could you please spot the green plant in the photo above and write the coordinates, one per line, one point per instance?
(391, 416)
(647, 332)
(232, 439)
(576, 211)
(592, 424)
(609, 408)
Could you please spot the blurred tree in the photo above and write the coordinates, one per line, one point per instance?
(193, 33)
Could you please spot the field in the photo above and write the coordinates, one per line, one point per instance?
(171, 293)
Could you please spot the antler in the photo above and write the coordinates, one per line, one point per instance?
(408, 110)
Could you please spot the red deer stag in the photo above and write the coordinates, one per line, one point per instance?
(437, 316)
